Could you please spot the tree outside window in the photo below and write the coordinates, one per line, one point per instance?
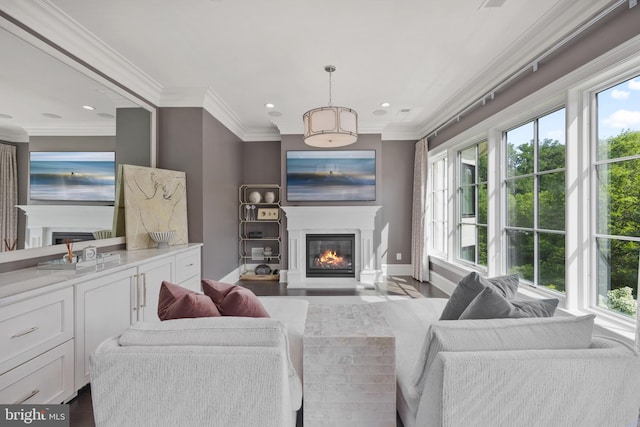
(617, 181)
(535, 184)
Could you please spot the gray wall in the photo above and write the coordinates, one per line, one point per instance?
(397, 200)
(191, 140)
(261, 162)
(133, 136)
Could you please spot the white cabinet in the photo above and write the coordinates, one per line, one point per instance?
(36, 349)
(47, 337)
(104, 308)
(108, 305)
(150, 278)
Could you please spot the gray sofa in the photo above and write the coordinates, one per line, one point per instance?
(509, 372)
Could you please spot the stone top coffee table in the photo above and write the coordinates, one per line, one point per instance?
(349, 367)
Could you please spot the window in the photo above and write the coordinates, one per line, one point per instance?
(472, 196)
(617, 187)
(439, 205)
(535, 199)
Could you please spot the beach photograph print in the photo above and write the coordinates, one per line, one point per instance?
(345, 175)
(72, 176)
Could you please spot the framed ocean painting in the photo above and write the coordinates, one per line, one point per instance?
(344, 175)
(72, 176)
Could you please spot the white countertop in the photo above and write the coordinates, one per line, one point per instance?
(29, 282)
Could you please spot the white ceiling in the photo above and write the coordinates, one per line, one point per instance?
(430, 57)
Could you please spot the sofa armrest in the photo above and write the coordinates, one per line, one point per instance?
(590, 387)
(193, 385)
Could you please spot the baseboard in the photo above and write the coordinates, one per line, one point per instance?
(396, 270)
(445, 285)
(232, 277)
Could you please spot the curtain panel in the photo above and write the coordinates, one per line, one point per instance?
(8, 197)
(419, 229)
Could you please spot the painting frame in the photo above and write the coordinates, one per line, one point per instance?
(72, 176)
(331, 175)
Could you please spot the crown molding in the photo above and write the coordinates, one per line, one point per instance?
(52, 23)
(541, 35)
(264, 134)
(72, 130)
(216, 106)
(396, 133)
(13, 135)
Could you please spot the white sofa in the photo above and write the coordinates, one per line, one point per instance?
(226, 371)
(509, 372)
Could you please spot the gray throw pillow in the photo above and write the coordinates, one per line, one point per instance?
(490, 304)
(470, 287)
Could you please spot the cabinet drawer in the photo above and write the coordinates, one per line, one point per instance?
(187, 265)
(46, 379)
(31, 327)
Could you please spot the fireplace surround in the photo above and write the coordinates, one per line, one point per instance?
(357, 220)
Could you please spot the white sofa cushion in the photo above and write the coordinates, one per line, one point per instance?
(553, 333)
(410, 321)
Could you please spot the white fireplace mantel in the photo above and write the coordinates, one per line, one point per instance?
(43, 220)
(357, 220)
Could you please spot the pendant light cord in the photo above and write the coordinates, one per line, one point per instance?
(330, 88)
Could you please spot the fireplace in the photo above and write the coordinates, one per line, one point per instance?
(59, 237)
(330, 255)
(359, 221)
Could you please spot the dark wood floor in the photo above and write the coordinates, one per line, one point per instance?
(81, 409)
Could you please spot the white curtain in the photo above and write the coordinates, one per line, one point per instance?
(8, 196)
(419, 229)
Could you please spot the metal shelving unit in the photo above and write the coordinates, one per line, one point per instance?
(259, 227)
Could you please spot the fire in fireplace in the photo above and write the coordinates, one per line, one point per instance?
(330, 255)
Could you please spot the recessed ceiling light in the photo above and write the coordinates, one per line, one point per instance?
(88, 107)
(380, 112)
(385, 104)
(5, 116)
(52, 116)
(274, 113)
(106, 115)
(269, 105)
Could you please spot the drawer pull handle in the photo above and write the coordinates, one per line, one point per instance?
(27, 397)
(190, 265)
(25, 332)
(144, 289)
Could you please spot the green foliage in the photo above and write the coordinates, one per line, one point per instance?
(551, 210)
(620, 300)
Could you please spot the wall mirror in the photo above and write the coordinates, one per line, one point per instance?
(49, 102)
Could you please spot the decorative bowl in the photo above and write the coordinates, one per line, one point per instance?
(162, 238)
(102, 234)
(262, 270)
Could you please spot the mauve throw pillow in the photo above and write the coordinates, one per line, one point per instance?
(234, 300)
(216, 290)
(490, 304)
(176, 302)
(470, 287)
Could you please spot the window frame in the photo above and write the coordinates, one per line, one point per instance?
(535, 229)
(460, 215)
(442, 157)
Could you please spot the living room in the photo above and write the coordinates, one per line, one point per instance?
(205, 135)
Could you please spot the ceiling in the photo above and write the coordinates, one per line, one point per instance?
(429, 59)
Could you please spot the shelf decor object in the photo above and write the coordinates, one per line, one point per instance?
(162, 238)
(330, 126)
